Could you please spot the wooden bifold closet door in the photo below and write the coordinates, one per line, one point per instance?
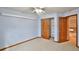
(46, 28)
(62, 29)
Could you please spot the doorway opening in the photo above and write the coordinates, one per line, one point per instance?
(73, 30)
(46, 28)
(68, 29)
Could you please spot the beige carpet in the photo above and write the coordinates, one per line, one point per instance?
(41, 44)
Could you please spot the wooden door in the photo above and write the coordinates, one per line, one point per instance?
(46, 28)
(72, 29)
(62, 29)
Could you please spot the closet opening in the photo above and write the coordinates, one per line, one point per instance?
(47, 28)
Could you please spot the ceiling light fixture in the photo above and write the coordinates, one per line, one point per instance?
(38, 10)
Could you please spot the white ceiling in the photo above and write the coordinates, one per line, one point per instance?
(47, 9)
(59, 9)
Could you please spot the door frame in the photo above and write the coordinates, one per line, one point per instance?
(76, 28)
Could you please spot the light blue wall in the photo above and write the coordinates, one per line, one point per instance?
(2, 38)
(39, 26)
(14, 30)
